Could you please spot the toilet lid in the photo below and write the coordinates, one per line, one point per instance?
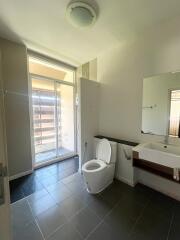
(103, 151)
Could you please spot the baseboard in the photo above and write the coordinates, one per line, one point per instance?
(20, 175)
(55, 160)
(125, 180)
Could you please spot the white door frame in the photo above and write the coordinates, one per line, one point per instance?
(73, 84)
(5, 229)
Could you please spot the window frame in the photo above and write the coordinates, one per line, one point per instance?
(43, 58)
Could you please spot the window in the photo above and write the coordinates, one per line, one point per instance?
(52, 110)
(46, 69)
(174, 125)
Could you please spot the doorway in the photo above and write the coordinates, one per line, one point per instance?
(174, 119)
(53, 112)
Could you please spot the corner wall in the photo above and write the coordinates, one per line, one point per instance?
(15, 79)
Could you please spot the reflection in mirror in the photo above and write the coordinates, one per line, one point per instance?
(174, 124)
(161, 105)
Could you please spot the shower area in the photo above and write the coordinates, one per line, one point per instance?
(53, 114)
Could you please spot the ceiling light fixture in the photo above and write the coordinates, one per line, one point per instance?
(81, 14)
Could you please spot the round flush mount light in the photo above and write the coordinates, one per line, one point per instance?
(81, 14)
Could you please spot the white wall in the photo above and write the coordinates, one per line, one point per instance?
(121, 72)
(15, 79)
(88, 110)
(124, 169)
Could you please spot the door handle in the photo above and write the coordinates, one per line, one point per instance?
(3, 174)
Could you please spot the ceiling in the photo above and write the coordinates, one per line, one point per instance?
(42, 25)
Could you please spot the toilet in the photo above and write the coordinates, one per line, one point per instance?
(99, 173)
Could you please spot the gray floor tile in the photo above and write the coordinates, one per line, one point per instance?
(85, 221)
(76, 187)
(27, 232)
(104, 232)
(128, 208)
(65, 210)
(37, 195)
(121, 227)
(174, 233)
(162, 205)
(42, 173)
(71, 206)
(42, 204)
(21, 213)
(123, 217)
(99, 206)
(87, 197)
(73, 178)
(60, 195)
(151, 226)
(110, 196)
(176, 210)
(66, 232)
(50, 220)
(47, 181)
(139, 194)
(65, 173)
(56, 186)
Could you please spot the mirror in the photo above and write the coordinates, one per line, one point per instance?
(161, 105)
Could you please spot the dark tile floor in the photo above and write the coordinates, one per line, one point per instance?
(65, 210)
(41, 178)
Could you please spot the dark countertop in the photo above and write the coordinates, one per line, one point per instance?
(125, 142)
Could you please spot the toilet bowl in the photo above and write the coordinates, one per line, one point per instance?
(99, 173)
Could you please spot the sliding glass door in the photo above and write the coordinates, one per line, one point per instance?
(65, 119)
(53, 119)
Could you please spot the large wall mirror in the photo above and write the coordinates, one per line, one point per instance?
(161, 105)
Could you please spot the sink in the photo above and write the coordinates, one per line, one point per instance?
(168, 148)
(163, 154)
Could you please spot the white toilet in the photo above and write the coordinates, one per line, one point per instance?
(99, 173)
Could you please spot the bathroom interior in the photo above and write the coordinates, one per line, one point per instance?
(90, 120)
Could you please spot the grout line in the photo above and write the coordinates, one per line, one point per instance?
(70, 218)
(138, 218)
(56, 230)
(45, 187)
(68, 221)
(79, 233)
(35, 215)
(94, 229)
(34, 218)
(50, 234)
(88, 205)
(39, 229)
(169, 230)
(30, 208)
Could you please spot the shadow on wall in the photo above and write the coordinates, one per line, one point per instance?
(8, 33)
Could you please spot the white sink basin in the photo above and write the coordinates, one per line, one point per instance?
(167, 155)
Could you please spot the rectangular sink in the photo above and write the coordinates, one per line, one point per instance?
(164, 148)
(166, 155)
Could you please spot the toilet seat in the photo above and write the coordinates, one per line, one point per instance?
(94, 165)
